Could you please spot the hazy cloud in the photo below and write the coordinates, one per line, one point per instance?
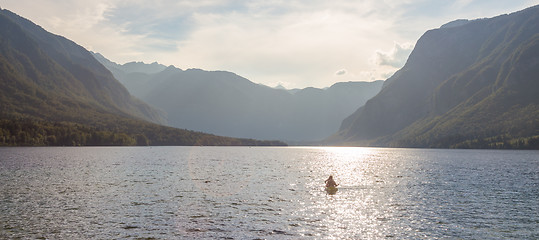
(462, 3)
(297, 42)
(396, 57)
(377, 74)
(341, 72)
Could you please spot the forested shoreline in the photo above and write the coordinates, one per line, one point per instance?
(32, 132)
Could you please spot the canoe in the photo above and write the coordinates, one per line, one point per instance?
(331, 190)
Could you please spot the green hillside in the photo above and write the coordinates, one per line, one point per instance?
(469, 85)
(54, 92)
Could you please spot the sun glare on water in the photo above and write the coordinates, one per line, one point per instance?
(348, 165)
(360, 174)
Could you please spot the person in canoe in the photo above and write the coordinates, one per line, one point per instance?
(330, 183)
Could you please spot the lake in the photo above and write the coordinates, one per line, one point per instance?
(267, 193)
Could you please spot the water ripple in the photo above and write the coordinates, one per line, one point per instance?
(267, 193)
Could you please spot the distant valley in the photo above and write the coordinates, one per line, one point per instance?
(224, 103)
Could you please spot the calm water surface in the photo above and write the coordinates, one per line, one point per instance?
(267, 193)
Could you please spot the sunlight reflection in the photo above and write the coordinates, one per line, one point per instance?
(356, 170)
(348, 165)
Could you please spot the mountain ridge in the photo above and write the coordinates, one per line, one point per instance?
(225, 103)
(459, 88)
(67, 64)
(53, 92)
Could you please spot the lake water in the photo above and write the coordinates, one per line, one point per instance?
(267, 193)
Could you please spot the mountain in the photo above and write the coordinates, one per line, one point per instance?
(224, 103)
(128, 68)
(54, 92)
(469, 84)
(44, 63)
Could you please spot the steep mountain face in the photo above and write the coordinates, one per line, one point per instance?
(48, 76)
(224, 103)
(54, 93)
(467, 84)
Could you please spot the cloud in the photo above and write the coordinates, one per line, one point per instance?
(459, 4)
(377, 74)
(302, 47)
(396, 57)
(266, 41)
(297, 42)
(341, 72)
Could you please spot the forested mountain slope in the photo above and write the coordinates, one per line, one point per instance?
(471, 84)
(54, 92)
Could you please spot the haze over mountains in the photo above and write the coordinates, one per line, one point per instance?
(224, 103)
(466, 84)
(54, 92)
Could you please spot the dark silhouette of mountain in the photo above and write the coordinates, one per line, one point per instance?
(54, 92)
(470, 84)
(224, 103)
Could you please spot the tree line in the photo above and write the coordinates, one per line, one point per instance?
(32, 132)
(503, 141)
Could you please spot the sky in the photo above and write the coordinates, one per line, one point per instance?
(292, 43)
